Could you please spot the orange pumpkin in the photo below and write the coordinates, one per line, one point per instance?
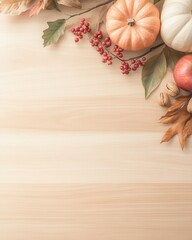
(133, 24)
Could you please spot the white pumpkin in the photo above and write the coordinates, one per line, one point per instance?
(176, 24)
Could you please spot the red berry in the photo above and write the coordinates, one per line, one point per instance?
(143, 59)
(109, 63)
(76, 39)
(136, 65)
(133, 61)
(108, 44)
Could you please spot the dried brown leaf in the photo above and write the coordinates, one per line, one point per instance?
(187, 131)
(178, 104)
(15, 7)
(98, 17)
(181, 121)
(37, 7)
(70, 3)
(177, 128)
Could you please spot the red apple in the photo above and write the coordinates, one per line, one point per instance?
(183, 73)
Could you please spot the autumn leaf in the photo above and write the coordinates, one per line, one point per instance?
(54, 32)
(37, 7)
(153, 73)
(70, 3)
(15, 7)
(181, 121)
(187, 131)
(98, 17)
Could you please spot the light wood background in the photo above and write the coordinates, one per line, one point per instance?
(80, 152)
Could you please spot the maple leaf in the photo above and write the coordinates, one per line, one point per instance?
(181, 121)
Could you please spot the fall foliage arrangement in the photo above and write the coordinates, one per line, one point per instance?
(115, 28)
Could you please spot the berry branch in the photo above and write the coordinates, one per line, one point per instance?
(90, 9)
(108, 50)
(137, 57)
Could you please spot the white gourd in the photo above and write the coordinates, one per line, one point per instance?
(176, 24)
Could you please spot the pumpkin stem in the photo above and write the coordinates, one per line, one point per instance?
(131, 22)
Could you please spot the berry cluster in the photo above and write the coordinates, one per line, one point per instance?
(132, 65)
(83, 28)
(101, 46)
(118, 51)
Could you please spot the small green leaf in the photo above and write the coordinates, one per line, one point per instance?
(172, 56)
(156, 1)
(53, 33)
(153, 73)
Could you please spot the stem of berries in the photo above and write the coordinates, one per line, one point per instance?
(103, 46)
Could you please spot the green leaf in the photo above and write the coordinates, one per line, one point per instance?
(156, 1)
(53, 33)
(153, 73)
(172, 56)
(54, 5)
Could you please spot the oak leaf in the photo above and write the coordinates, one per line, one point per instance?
(181, 121)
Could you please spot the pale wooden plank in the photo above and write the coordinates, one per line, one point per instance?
(35, 157)
(112, 113)
(107, 211)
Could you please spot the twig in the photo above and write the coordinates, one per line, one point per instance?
(90, 9)
(139, 56)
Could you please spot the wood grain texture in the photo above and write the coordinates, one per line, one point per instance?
(80, 152)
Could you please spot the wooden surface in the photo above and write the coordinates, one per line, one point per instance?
(80, 152)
